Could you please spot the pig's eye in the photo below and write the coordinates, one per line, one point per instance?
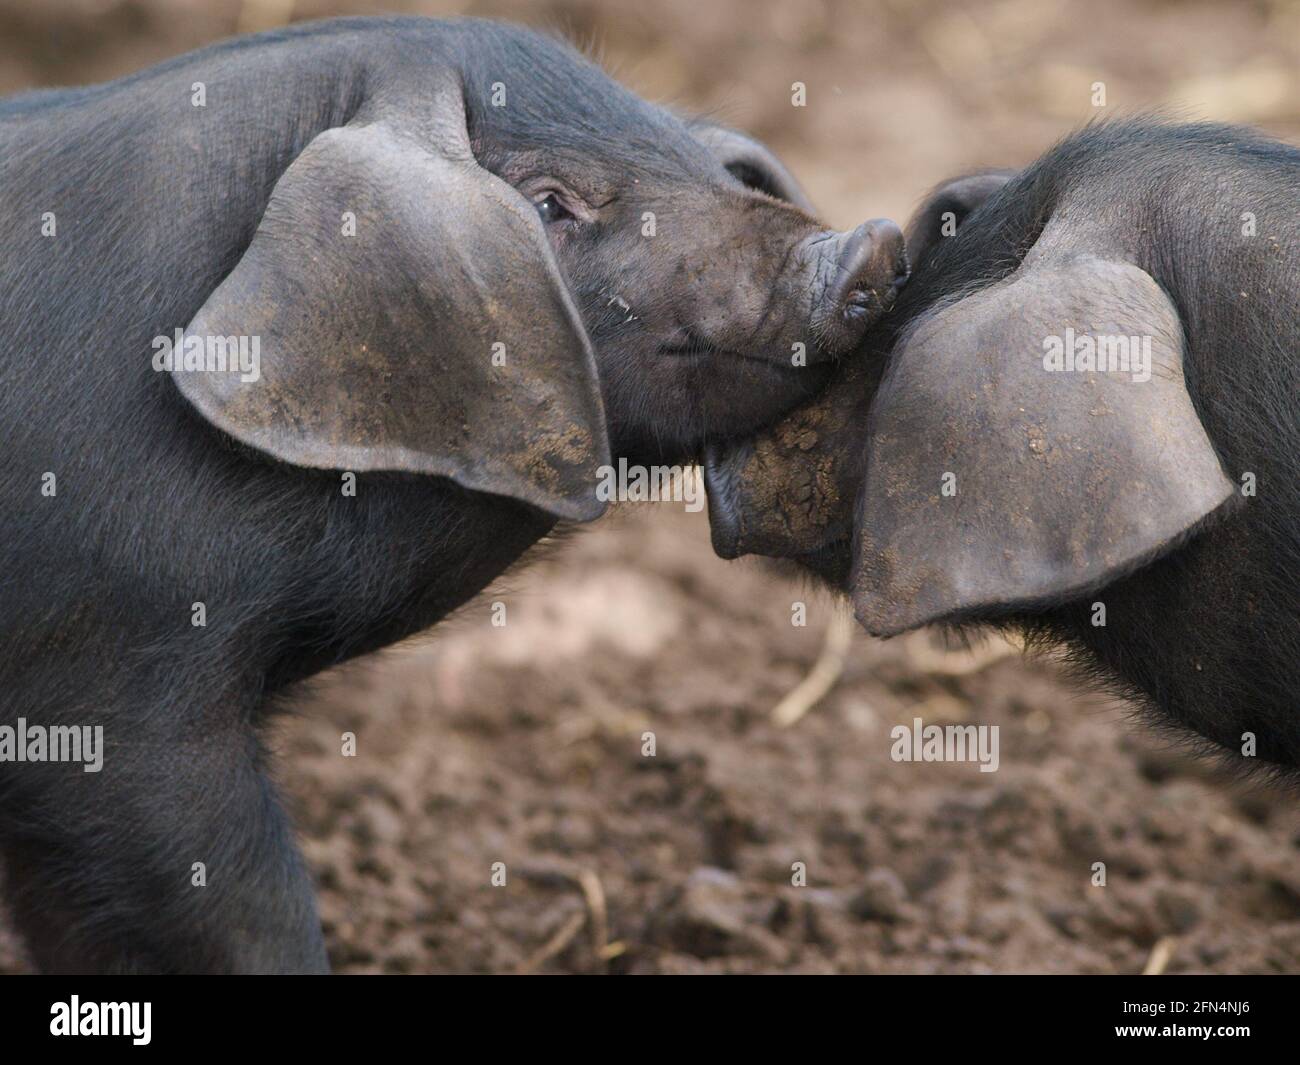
(550, 207)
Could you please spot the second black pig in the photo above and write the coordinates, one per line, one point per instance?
(1081, 421)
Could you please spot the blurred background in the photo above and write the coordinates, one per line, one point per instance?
(523, 744)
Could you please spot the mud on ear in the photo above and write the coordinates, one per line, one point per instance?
(409, 315)
(752, 163)
(1002, 473)
(947, 207)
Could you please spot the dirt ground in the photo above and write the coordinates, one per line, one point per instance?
(523, 744)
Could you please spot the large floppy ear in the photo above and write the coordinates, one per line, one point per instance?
(751, 163)
(1030, 443)
(947, 207)
(407, 314)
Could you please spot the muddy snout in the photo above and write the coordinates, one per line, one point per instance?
(859, 274)
(790, 491)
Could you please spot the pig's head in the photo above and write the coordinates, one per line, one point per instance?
(542, 271)
(964, 465)
(712, 298)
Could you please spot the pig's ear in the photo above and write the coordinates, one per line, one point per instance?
(752, 163)
(947, 207)
(409, 315)
(1001, 475)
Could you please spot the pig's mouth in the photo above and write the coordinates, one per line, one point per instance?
(696, 347)
(725, 516)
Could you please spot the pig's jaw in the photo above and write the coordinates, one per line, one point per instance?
(833, 563)
(724, 515)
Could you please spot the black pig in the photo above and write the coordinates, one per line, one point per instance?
(451, 258)
(1140, 505)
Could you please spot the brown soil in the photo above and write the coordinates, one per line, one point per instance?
(523, 744)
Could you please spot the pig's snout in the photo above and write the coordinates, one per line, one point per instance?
(860, 273)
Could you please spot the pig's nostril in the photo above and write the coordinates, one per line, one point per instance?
(861, 299)
(870, 267)
(872, 260)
